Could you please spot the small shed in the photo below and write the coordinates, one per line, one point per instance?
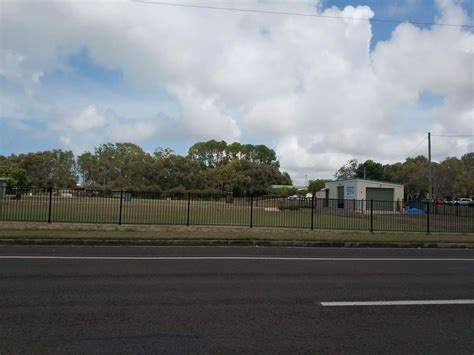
(386, 196)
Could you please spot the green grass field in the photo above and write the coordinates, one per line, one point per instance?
(264, 213)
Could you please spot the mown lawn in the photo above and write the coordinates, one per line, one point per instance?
(218, 212)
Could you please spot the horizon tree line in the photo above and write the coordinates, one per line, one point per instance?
(216, 166)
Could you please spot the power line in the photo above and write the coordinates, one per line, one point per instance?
(453, 135)
(407, 155)
(298, 14)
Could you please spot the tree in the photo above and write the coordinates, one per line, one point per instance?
(316, 185)
(263, 176)
(370, 170)
(282, 191)
(15, 174)
(231, 178)
(234, 151)
(243, 177)
(171, 170)
(261, 154)
(56, 167)
(451, 178)
(213, 153)
(120, 165)
(413, 174)
(391, 172)
(347, 171)
(285, 179)
(210, 153)
(88, 168)
(468, 160)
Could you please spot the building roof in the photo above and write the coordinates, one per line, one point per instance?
(375, 181)
(288, 186)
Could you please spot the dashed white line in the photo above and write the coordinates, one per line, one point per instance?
(397, 303)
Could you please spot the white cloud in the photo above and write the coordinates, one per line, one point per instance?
(403, 7)
(133, 131)
(311, 86)
(12, 67)
(204, 116)
(87, 119)
(87, 127)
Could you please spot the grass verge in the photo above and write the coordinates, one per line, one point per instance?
(129, 234)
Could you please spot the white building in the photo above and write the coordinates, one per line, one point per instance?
(386, 196)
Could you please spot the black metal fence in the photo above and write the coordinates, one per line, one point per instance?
(131, 207)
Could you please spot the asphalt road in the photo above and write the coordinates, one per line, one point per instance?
(234, 300)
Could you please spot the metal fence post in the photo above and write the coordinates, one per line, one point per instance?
(50, 204)
(428, 218)
(120, 211)
(371, 216)
(189, 209)
(251, 211)
(312, 212)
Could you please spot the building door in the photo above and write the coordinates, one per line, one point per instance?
(383, 198)
(340, 197)
(326, 200)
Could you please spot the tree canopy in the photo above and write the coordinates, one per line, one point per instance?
(316, 185)
(217, 166)
(212, 153)
(209, 166)
(41, 169)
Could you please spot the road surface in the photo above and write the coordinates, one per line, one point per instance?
(234, 300)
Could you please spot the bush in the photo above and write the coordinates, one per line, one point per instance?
(282, 191)
(293, 205)
(177, 190)
(289, 207)
(208, 191)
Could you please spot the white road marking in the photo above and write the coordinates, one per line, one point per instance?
(56, 257)
(395, 303)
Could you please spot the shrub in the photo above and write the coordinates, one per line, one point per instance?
(289, 207)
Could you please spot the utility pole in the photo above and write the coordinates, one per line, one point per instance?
(430, 176)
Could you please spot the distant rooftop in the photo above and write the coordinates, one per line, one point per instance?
(288, 187)
(359, 179)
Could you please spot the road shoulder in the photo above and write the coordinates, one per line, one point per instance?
(91, 234)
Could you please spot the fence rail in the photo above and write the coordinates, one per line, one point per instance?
(131, 207)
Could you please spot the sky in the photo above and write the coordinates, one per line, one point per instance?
(320, 91)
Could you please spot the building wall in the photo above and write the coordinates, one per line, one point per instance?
(350, 189)
(356, 190)
(320, 194)
(363, 184)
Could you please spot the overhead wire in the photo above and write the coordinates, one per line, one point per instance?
(407, 155)
(453, 135)
(437, 135)
(223, 8)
